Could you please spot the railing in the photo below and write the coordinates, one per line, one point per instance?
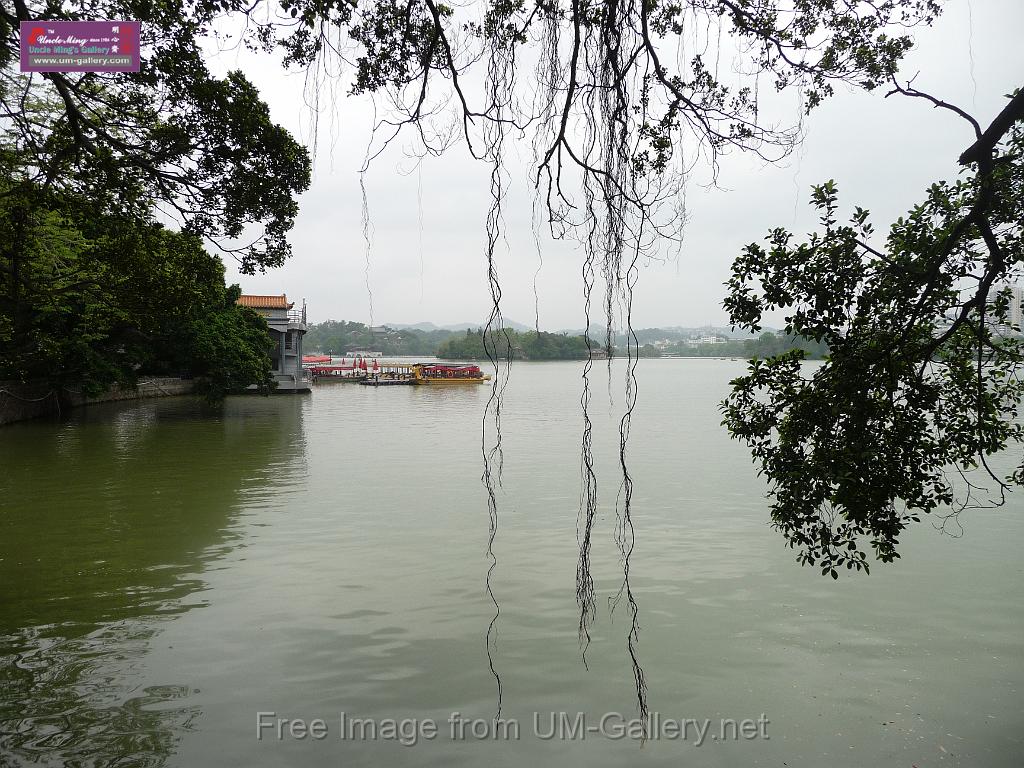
(297, 315)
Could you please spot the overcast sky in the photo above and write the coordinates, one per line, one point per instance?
(883, 153)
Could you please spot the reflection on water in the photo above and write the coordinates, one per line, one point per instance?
(165, 574)
(65, 699)
(109, 520)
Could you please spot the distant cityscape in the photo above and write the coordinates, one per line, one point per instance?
(1015, 311)
(1016, 315)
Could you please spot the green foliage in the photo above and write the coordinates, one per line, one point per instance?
(88, 299)
(230, 349)
(922, 382)
(342, 336)
(203, 148)
(507, 343)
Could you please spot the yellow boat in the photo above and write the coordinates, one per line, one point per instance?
(433, 373)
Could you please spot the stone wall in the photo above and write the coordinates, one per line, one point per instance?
(27, 401)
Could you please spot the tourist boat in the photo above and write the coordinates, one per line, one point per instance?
(343, 371)
(385, 374)
(308, 361)
(358, 371)
(434, 373)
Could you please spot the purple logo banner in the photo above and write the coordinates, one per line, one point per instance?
(80, 46)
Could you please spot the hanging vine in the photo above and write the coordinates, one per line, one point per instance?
(608, 120)
(619, 88)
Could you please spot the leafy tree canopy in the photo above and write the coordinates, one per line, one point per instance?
(923, 381)
(200, 148)
(88, 300)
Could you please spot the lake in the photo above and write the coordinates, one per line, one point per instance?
(169, 571)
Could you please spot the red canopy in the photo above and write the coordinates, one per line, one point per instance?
(444, 368)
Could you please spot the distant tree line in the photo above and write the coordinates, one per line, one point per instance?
(340, 337)
(531, 345)
(507, 343)
(768, 344)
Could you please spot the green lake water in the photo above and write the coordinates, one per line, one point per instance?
(168, 571)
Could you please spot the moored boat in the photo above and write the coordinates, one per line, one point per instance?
(358, 371)
(437, 373)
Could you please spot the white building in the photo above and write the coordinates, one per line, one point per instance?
(1015, 315)
(1016, 302)
(287, 326)
(708, 338)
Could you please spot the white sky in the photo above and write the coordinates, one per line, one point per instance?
(883, 153)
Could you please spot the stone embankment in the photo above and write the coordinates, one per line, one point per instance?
(21, 401)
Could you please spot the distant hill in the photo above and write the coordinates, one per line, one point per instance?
(431, 327)
(428, 327)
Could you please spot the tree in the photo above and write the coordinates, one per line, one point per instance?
(230, 348)
(510, 344)
(923, 380)
(90, 299)
(171, 137)
(95, 290)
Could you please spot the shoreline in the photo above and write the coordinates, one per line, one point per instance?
(20, 401)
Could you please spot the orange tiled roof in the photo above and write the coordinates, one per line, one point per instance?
(265, 302)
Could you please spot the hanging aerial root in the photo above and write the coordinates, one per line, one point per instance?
(626, 534)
